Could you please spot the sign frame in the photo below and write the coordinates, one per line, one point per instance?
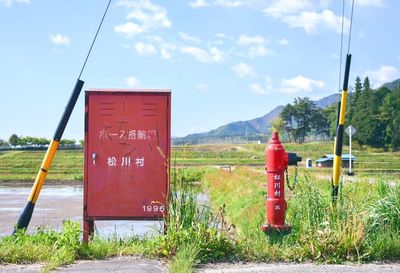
(126, 183)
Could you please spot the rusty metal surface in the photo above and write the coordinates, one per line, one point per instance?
(127, 146)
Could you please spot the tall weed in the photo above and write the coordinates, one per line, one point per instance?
(191, 224)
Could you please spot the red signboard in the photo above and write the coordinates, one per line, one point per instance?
(127, 150)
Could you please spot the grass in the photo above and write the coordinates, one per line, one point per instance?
(364, 226)
(68, 165)
(24, 165)
(191, 236)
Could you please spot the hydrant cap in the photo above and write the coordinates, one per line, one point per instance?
(275, 138)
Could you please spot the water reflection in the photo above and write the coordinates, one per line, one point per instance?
(59, 203)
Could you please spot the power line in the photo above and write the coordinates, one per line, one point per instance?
(341, 49)
(351, 24)
(94, 39)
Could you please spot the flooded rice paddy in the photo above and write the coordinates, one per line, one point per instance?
(59, 203)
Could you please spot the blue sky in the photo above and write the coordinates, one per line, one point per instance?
(224, 60)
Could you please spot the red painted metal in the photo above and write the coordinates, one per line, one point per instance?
(276, 164)
(127, 151)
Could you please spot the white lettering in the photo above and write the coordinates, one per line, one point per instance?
(140, 161)
(141, 134)
(112, 161)
(277, 177)
(126, 161)
(132, 135)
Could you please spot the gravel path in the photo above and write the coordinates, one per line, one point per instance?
(129, 264)
(298, 268)
(125, 264)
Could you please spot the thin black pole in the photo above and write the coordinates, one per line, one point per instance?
(26, 215)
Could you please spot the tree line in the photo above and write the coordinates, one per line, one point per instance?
(375, 113)
(30, 142)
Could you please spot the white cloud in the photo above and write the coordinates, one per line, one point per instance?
(259, 51)
(376, 3)
(143, 16)
(59, 39)
(312, 21)
(304, 14)
(256, 45)
(165, 48)
(9, 3)
(243, 70)
(245, 40)
(282, 8)
(383, 74)
(165, 54)
(299, 84)
(214, 55)
(145, 49)
(230, 3)
(262, 89)
(202, 87)
(129, 29)
(199, 4)
(132, 81)
(187, 38)
(283, 42)
(258, 89)
(225, 3)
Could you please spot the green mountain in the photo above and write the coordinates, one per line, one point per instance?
(249, 130)
(392, 85)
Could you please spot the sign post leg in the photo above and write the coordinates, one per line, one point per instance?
(88, 229)
(350, 136)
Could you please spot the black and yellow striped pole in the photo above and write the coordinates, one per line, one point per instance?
(338, 143)
(26, 215)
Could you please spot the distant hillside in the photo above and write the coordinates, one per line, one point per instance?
(251, 130)
(392, 85)
(327, 101)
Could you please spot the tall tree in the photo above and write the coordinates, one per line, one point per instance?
(390, 118)
(3, 143)
(14, 140)
(305, 110)
(298, 119)
(287, 115)
(320, 124)
(353, 98)
(330, 113)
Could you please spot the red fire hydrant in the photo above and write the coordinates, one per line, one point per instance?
(277, 161)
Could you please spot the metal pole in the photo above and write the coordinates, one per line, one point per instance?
(26, 215)
(350, 150)
(338, 145)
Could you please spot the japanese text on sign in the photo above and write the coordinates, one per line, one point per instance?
(124, 161)
(106, 133)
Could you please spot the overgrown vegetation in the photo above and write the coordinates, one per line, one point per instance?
(68, 165)
(192, 235)
(364, 226)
